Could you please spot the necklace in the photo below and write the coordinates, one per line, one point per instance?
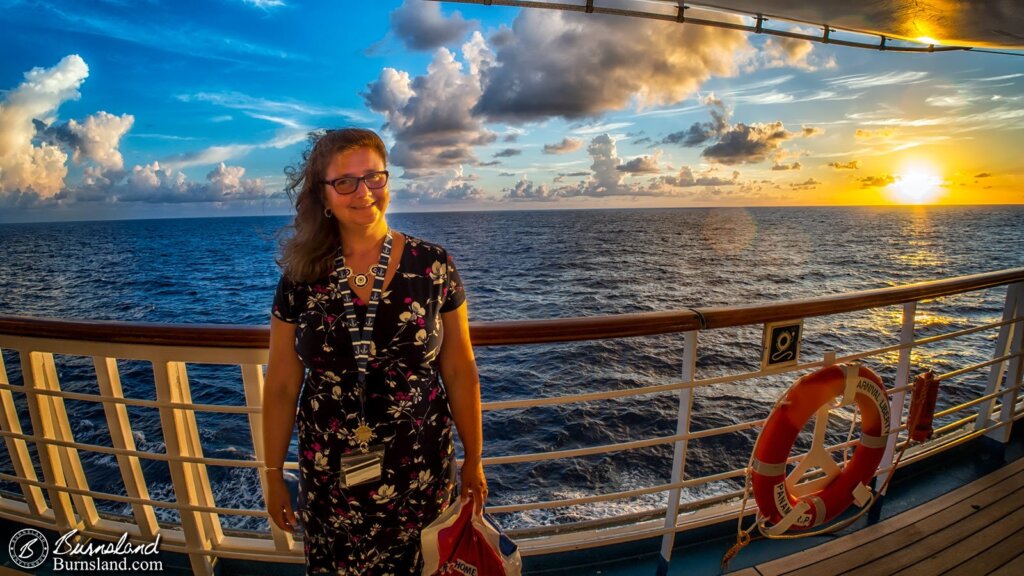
(361, 280)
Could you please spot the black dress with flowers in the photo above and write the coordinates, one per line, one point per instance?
(374, 528)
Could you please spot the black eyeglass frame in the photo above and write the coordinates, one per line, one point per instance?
(358, 179)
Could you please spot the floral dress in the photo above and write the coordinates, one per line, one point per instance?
(374, 528)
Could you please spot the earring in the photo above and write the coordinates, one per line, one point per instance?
(327, 213)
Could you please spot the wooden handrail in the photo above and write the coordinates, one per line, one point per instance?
(525, 331)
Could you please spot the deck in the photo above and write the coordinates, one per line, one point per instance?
(976, 529)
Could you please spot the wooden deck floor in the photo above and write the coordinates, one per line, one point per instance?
(977, 529)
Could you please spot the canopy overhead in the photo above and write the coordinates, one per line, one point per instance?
(933, 24)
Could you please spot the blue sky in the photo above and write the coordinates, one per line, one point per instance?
(136, 109)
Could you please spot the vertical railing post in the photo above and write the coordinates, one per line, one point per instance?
(176, 430)
(121, 437)
(679, 454)
(897, 400)
(252, 379)
(34, 370)
(1011, 385)
(17, 449)
(73, 473)
(1008, 338)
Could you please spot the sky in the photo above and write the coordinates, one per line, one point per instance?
(115, 109)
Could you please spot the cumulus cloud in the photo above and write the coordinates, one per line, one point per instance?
(27, 169)
(780, 52)
(605, 178)
(526, 190)
(421, 26)
(700, 132)
(156, 184)
(579, 65)
(96, 139)
(429, 116)
(450, 186)
(748, 144)
(736, 143)
(876, 181)
(686, 178)
(642, 164)
(851, 165)
(566, 146)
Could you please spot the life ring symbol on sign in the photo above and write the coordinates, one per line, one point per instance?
(788, 505)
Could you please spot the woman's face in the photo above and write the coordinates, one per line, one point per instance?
(365, 206)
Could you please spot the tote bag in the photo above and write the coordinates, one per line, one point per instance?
(462, 543)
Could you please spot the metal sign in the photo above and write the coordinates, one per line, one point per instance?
(780, 344)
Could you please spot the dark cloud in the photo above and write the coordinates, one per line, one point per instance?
(421, 26)
(641, 165)
(808, 184)
(701, 132)
(507, 153)
(566, 146)
(582, 65)
(491, 163)
(983, 175)
(506, 174)
(748, 144)
(793, 166)
(510, 137)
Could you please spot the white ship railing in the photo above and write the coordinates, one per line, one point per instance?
(62, 499)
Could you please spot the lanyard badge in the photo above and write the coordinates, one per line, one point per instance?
(362, 336)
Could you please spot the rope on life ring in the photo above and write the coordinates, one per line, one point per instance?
(788, 506)
(856, 381)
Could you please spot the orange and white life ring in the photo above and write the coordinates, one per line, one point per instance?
(812, 394)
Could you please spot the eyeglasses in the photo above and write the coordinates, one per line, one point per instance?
(348, 184)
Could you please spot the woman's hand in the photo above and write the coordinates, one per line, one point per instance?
(473, 481)
(279, 502)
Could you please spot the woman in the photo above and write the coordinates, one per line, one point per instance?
(367, 322)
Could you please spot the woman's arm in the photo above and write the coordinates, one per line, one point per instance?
(462, 382)
(280, 396)
(280, 392)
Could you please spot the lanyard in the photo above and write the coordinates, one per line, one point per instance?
(361, 336)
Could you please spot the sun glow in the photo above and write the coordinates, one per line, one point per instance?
(918, 184)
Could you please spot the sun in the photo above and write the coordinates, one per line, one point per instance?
(918, 184)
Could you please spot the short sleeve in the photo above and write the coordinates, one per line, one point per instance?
(453, 294)
(284, 308)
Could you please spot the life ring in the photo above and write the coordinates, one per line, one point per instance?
(775, 499)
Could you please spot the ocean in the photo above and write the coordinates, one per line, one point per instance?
(528, 265)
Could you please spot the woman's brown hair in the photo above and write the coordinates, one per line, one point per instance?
(307, 254)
